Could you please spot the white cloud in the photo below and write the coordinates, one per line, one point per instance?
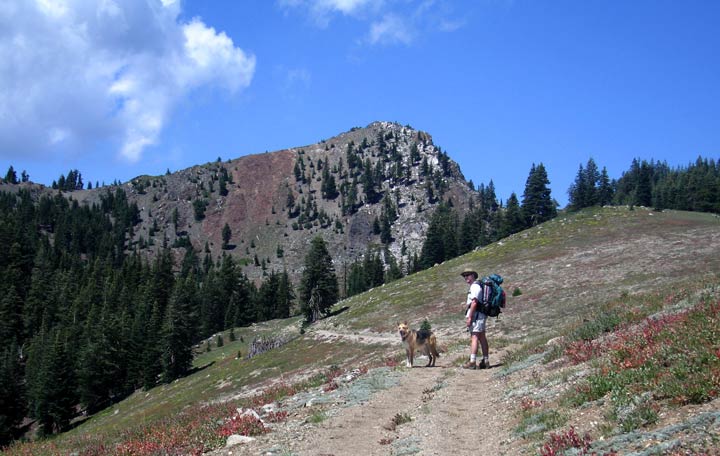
(344, 6)
(53, 8)
(391, 29)
(389, 22)
(297, 77)
(79, 73)
(321, 11)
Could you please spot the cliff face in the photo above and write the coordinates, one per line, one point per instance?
(342, 188)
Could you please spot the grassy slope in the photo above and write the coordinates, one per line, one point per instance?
(564, 268)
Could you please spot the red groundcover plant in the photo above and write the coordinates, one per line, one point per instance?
(673, 356)
(239, 424)
(558, 442)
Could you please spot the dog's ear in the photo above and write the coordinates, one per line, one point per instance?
(406, 323)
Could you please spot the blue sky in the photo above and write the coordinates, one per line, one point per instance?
(117, 88)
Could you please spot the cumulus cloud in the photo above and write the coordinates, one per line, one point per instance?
(78, 73)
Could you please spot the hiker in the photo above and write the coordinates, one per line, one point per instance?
(475, 320)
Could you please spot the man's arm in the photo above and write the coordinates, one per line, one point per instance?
(471, 312)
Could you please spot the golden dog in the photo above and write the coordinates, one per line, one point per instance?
(421, 340)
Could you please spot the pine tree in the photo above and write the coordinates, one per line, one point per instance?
(605, 188)
(471, 231)
(240, 309)
(11, 176)
(576, 192)
(441, 239)
(328, 188)
(101, 373)
(51, 382)
(151, 366)
(369, 183)
(12, 393)
(537, 205)
(265, 299)
(318, 285)
(11, 323)
(592, 179)
(373, 269)
(513, 221)
(356, 282)
(643, 190)
(190, 263)
(414, 154)
(226, 235)
(285, 296)
(179, 330)
(394, 272)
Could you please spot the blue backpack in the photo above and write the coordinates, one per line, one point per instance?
(496, 299)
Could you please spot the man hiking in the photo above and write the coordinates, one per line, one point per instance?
(475, 320)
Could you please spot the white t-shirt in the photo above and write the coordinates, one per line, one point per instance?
(473, 293)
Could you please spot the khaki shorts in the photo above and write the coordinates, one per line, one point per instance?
(478, 323)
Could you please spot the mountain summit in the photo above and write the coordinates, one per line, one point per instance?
(368, 189)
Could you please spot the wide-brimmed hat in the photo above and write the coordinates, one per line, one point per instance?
(468, 271)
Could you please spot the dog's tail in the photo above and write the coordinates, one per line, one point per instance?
(433, 346)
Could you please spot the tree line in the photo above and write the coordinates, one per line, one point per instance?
(695, 187)
(452, 233)
(84, 323)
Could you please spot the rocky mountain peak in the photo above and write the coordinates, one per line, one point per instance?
(367, 189)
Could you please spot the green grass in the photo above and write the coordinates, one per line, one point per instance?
(674, 357)
(534, 424)
(658, 352)
(317, 417)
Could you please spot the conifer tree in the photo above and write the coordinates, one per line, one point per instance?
(605, 188)
(179, 330)
(10, 316)
(11, 176)
(513, 221)
(151, 366)
(190, 263)
(285, 296)
(373, 269)
(592, 178)
(52, 394)
(356, 282)
(318, 285)
(576, 192)
(101, 374)
(471, 231)
(369, 183)
(537, 204)
(240, 309)
(643, 190)
(265, 299)
(226, 236)
(394, 271)
(441, 240)
(586, 189)
(12, 393)
(328, 187)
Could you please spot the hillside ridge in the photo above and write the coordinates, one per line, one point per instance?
(275, 202)
(565, 277)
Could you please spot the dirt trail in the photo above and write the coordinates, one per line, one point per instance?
(453, 411)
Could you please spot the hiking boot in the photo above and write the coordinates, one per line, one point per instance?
(469, 365)
(484, 365)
